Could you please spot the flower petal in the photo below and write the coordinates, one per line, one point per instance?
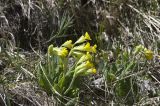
(148, 54)
(87, 36)
(86, 57)
(68, 44)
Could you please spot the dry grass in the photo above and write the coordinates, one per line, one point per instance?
(27, 27)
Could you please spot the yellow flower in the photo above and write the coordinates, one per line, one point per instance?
(68, 44)
(83, 72)
(84, 66)
(148, 54)
(87, 36)
(92, 70)
(86, 48)
(80, 40)
(85, 58)
(88, 64)
(50, 50)
(77, 54)
(94, 48)
(63, 52)
(83, 38)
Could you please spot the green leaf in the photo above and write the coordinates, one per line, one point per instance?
(72, 102)
(126, 91)
(61, 81)
(111, 77)
(129, 67)
(57, 88)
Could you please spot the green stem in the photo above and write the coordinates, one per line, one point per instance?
(71, 84)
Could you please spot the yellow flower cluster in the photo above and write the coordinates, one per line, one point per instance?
(85, 47)
(84, 65)
(147, 53)
(84, 38)
(61, 51)
(85, 58)
(80, 52)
